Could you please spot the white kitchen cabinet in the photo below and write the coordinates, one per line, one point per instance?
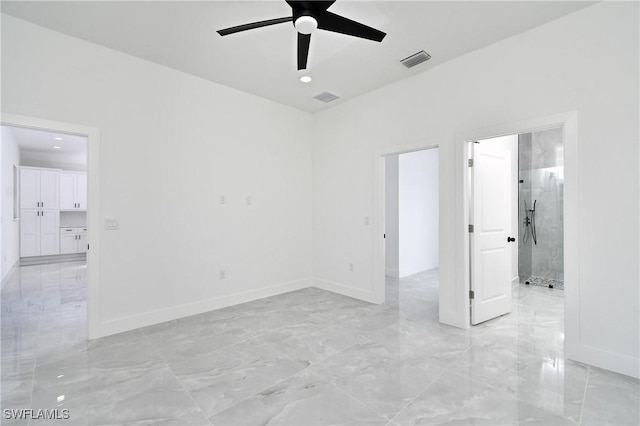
(39, 188)
(73, 240)
(39, 232)
(73, 191)
(39, 211)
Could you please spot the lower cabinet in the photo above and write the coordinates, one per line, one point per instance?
(39, 232)
(73, 240)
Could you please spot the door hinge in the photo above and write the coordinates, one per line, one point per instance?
(384, 235)
(471, 294)
(470, 228)
(470, 162)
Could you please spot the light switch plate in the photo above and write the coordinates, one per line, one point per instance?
(111, 223)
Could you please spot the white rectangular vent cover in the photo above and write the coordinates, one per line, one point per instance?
(326, 97)
(415, 59)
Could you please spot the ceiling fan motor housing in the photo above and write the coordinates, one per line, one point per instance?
(305, 24)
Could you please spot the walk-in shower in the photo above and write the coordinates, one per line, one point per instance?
(540, 208)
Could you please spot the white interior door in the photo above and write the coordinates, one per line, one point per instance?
(491, 219)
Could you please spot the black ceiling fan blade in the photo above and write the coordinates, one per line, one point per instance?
(253, 25)
(303, 50)
(338, 24)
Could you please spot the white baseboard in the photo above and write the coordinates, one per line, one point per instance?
(515, 281)
(8, 273)
(612, 361)
(395, 273)
(344, 290)
(132, 322)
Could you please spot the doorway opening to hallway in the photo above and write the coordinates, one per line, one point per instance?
(412, 225)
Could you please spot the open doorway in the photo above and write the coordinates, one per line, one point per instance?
(78, 212)
(516, 216)
(412, 225)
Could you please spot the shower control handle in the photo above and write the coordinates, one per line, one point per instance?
(510, 239)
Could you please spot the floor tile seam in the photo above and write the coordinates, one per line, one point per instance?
(318, 318)
(284, 354)
(277, 382)
(584, 396)
(310, 364)
(155, 350)
(186, 391)
(339, 389)
(547, 411)
(431, 383)
(511, 397)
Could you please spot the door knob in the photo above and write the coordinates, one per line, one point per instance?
(510, 239)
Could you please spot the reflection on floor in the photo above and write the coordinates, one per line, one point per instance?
(306, 357)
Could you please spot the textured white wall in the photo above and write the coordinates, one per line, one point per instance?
(547, 70)
(418, 211)
(171, 144)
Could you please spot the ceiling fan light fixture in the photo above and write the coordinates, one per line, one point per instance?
(306, 24)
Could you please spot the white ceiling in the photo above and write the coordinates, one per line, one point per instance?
(44, 141)
(182, 35)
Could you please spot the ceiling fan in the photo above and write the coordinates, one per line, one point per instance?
(307, 17)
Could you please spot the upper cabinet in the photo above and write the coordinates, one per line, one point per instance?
(39, 188)
(73, 191)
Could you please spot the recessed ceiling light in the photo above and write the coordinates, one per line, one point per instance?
(58, 139)
(56, 147)
(305, 79)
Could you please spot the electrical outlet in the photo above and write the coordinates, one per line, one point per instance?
(367, 220)
(249, 200)
(223, 199)
(223, 274)
(351, 268)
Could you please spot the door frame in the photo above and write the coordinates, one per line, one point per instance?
(93, 200)
(569, 123)
(379, 217)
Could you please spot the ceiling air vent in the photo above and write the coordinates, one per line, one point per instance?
(415, 59)
(326, 97)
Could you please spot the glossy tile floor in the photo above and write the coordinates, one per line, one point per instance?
(306, 357)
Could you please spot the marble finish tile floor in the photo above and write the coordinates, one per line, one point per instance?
(308, 357)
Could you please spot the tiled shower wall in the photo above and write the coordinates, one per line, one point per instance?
(541, 175)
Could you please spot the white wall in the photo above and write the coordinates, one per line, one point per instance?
(171, 144)
(548, 70)
(392, 211)
(418, 211)
(10, 227)
(510, 143)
